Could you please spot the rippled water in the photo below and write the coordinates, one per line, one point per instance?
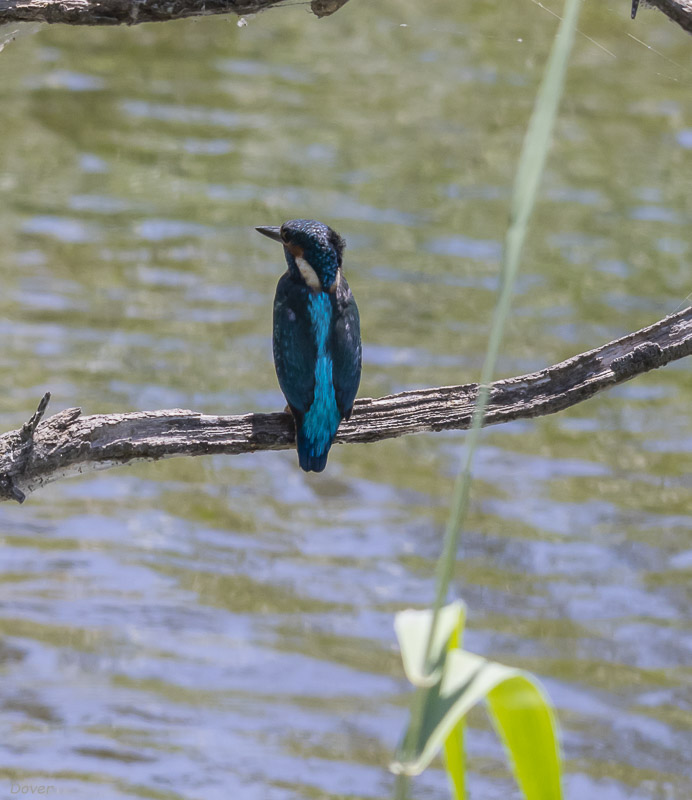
(222, 627)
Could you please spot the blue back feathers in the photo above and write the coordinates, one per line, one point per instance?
(320, 423)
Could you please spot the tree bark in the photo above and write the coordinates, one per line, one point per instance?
(679, 11)
(69, 444)
(132, 12)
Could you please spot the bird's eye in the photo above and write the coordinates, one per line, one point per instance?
(284, 236)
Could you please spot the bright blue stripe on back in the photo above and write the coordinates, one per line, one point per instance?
(323, 418)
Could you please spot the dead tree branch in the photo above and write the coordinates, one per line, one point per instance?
(679, 11)
(69, 444)
(132, 12)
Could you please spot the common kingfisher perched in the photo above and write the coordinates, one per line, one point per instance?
(317, 350)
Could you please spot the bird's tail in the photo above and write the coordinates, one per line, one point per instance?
(312, 456)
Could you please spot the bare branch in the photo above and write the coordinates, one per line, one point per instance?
(679, 11)
(132, 12)
(69, 444)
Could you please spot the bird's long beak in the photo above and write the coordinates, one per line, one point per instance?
(271, 231)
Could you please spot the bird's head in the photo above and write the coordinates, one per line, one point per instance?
(313, 251)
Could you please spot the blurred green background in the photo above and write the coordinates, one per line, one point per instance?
(222, 627)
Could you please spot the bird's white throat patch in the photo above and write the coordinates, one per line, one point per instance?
(308, 273)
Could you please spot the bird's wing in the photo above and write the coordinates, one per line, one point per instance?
(346, 349)
(295, 352)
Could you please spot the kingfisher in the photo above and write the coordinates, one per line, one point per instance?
(316, 336)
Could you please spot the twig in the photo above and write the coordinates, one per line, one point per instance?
(68, 443)
(21, 442)
(28, 428)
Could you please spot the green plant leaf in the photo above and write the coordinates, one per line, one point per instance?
(455, 760)
(449, 685)
(445, 704)
(526, 723)
(519, 707)
(412, 630)
(454, 753)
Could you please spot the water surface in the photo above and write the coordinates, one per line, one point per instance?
(222, 627)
